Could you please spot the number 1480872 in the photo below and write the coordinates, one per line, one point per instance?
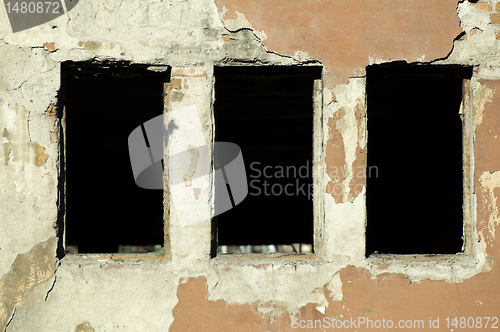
(39, 7)
(472, 323)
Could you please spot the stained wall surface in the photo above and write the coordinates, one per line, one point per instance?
(42, 289)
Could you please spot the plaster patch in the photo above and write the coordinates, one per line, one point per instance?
(351, 126)
(84, 327)
(177, 96)
(40, 155)
(28, 152)
(490, 182)
(187, 71)
(349, 131)
(17, 146)
(359, 164)
(375, 59)
(51, 111)
(334, 159)
(346, 228)
(333, 289)
(102, 47)
(27, 271)
(50, 46)
(482, 96)
(302, 56)
(220, 315)
(196, 192)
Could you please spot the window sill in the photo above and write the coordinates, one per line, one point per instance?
(111, 257)
(451, 268)
(252, 259)
(415, 258)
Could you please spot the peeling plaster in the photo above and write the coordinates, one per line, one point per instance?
(487, 160)
(234, 21)
(18, 147)
(335, 159)
(358, 181)
(482, 95)
(219, 315)
(363, 294)
(355, 34)
(27, 271)
(347, 132)
(491, 183)
(243, 295)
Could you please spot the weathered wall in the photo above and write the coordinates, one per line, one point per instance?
(347, 35)
(189, 291)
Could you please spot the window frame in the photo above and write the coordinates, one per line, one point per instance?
(62, 218)
(469, 237)
(317, 178)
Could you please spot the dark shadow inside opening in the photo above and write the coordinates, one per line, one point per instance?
(414, 189)
(105, 211)
(268, 112)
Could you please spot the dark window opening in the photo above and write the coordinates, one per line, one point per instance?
(105, 211)
(268, 112)
(414, 192)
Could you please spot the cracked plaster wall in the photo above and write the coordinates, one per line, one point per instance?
(189, 291)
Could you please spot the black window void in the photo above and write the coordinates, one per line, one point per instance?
(268, 112)
(414, 192)
(105, 211)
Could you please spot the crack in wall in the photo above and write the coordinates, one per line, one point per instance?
(10, 319)
(51, 287)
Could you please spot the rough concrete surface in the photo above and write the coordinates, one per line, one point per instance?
(187, 290)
